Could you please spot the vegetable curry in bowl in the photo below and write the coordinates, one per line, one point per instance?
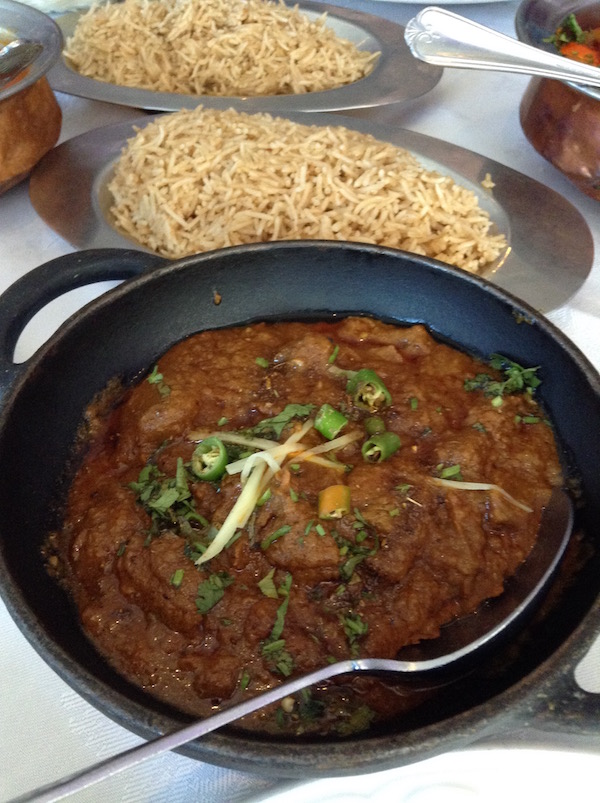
(274, 497)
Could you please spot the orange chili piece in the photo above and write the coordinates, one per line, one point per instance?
(334, 502)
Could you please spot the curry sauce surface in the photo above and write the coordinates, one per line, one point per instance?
(408, 554)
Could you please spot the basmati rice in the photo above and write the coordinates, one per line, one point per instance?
(197, 180)
(214, 47)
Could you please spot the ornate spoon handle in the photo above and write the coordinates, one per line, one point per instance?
(441, 37)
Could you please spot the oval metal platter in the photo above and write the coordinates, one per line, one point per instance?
(397, 76)
(550, 247)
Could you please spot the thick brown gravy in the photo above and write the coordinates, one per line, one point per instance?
(291, 590)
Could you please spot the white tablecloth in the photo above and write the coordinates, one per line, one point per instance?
(47, 730)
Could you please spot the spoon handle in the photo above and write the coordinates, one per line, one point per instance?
(441, 37)
(134, 756)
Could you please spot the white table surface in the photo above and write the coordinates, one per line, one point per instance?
(48, 731)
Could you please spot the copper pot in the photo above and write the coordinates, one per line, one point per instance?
(30, 124)
(561, 120)
(563, 125)
(30, 117)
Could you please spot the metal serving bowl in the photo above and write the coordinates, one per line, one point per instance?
(527, 682)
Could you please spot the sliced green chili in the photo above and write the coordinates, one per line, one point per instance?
(368, 390)
(209, 459)
(380, 447)
(329, 421)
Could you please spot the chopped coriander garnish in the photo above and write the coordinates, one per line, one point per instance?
(273, 649)
(210, 591)
(267, 585)
(168, 500)
(156, 378)
(278, 657)
(359, 720)
(527, 419)
(309, 708)
(354, 627)
(176, 578)
(449, 472)
(355, 552)
(264, 498)
(274, 426)
(359, 517)
(262, 362)
(517, 380)
(268, 540)
(284, 591)
(244, 681)
(333, 355)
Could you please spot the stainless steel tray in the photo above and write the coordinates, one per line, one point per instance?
(397, 76)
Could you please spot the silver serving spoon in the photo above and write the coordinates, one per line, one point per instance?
(432, 659)
(16, 56)
(441, 37)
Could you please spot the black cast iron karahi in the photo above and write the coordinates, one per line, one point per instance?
(528, 683)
